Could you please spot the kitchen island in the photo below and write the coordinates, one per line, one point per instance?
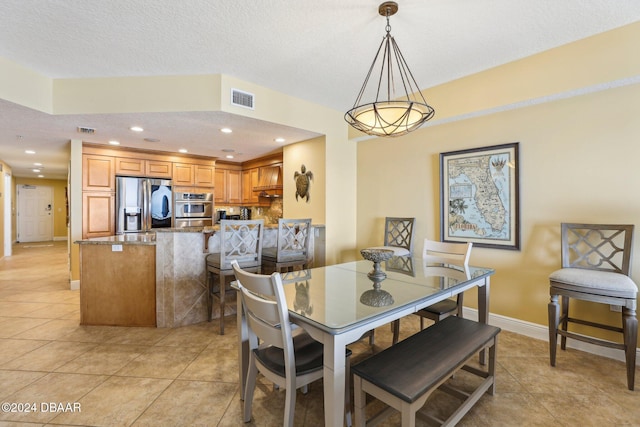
(118, 285)
(176, 271)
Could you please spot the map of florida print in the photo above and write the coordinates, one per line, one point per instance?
(481, 182)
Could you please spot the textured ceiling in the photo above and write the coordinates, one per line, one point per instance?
(315, 50)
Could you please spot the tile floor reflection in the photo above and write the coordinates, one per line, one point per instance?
(188, 376)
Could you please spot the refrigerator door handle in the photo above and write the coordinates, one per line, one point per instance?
(147, 205)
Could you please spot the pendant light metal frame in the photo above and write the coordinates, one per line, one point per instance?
(390, 117)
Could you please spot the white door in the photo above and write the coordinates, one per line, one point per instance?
(35, 219)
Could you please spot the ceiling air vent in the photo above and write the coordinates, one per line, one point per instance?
(85, 130)
(242, 99)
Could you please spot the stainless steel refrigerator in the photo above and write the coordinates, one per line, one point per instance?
(142, 204)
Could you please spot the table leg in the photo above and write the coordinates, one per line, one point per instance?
(483, 310)
(243, 346)
(334, 382)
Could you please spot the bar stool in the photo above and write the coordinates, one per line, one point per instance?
(292, 249)
(240, 240)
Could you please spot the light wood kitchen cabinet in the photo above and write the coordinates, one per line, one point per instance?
(98, 173)
(158, 169)
(129, 167)
(183, 174)
(204, 176)
(126, 166)
(193, 175)
(228, 186)
(118, 287)
(249, 181)
(98, 213)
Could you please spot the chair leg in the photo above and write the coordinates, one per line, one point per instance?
(347, 392)
(223, 291)
(359, 403)
(554, 313)
(250, 388)
(460, 299)
(209, 295)
(290, 404)
(396, 331)
(630, 331)
(565, 321)
(421, 323)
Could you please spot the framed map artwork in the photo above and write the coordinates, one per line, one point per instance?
(479, 196)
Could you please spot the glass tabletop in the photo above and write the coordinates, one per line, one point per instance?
(342, 296)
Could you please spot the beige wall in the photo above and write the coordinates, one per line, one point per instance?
(59, 205)
(6, 171)
(578, 163)
(310, 153)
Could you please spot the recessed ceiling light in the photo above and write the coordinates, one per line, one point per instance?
(226, 130)
(40, 176)
(228, 150)
(279, 139)
(136, 128)
(37, 164)
(29, 151)
(183, 150)
(229, 156)
(114, 142)
(36, 170)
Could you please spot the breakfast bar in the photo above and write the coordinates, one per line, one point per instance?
(156, 279)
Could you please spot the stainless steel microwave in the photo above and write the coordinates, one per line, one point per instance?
(193, 205)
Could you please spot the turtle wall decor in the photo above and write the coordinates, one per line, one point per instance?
(303, 182)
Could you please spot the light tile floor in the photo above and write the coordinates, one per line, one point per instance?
(120, 376)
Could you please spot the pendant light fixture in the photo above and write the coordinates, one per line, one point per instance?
(393, 112)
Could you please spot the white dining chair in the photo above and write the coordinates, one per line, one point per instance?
(289, 361)
(441, 253)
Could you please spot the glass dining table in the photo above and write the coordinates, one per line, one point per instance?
(339, 303)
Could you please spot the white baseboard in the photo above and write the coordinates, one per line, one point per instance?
(541, 332)
(59, 238)
(75, 285)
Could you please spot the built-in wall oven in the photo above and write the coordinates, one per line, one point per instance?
(193, 210)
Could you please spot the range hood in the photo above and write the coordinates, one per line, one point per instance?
(270, 182)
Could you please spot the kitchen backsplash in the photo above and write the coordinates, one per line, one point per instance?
(270, 214)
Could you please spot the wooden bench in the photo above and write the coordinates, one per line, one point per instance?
(404, 375)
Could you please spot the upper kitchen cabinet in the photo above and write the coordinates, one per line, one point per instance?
(146, 168)
(228, 186)
(203, 176)
(98, 173)
(158, 169)
(197, 175)
(249, 181)
(183, 174)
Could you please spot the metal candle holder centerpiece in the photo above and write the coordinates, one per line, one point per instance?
(377, 256)
(376, 297)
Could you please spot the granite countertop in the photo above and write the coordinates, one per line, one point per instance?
(119, 239)
(150, 238)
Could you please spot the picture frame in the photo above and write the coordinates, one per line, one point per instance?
(480, 197)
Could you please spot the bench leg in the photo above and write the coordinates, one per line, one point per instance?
(408, 415)
(359, 403)
(492, 364)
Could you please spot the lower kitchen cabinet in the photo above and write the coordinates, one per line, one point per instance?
(118, 284)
